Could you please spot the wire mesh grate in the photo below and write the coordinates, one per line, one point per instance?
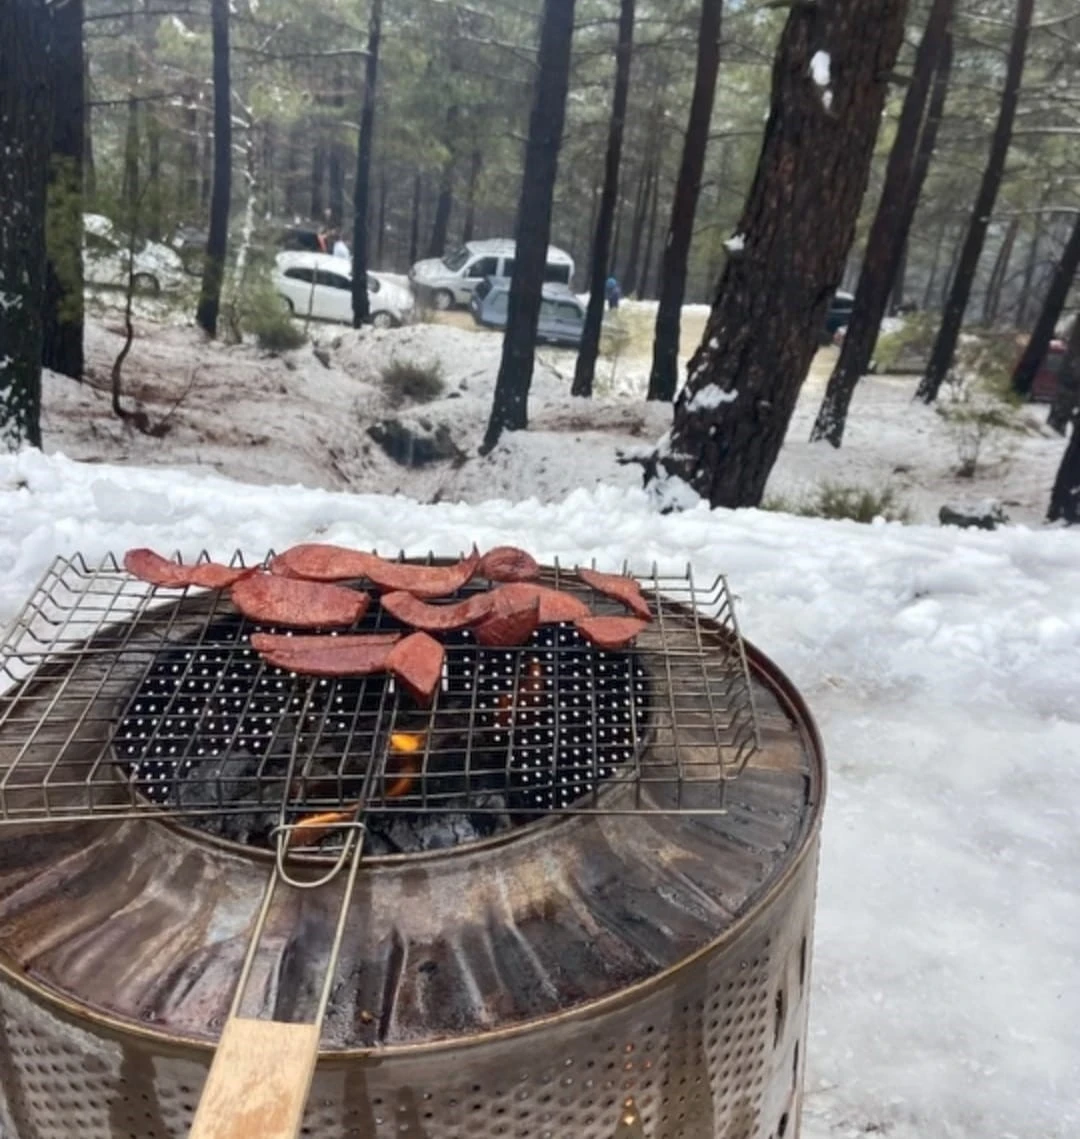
(124, 700)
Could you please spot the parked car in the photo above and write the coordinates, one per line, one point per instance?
(320, 286)
(444, 282)
(106, 263)
(562, 314)
(838, 316)
(189, 241)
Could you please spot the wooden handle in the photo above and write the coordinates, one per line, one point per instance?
(259, 1081)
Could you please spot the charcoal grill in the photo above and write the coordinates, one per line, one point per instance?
(578, 904)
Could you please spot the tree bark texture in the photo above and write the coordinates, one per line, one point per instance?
(941, 357)
(509, 409)
(1053, 304)
(62, 305)
(992, 305)
(361, 309)
(796, 230)
(25, 129)
(218, 237)
(673, 266)
(905, 172)
(1065, 497)
(585, 368)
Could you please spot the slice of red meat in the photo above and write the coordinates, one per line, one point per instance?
(610, 632)
(271, 600)
(319, 561)
(619, 587)
(417, 661)
(508, 563)
(153, 568)
(359, 655)
(419, 614)
(423, 581)
(555, 606)
(512, 621)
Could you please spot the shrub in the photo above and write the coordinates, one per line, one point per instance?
(264, 316)
(835, 501)
(412, 381)
(908, 348)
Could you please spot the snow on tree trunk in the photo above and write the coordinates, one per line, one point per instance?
(786, 259)
(361, 308)
(25, 128)
(509, 408)
(673, 267)
(941, 357)
(1060, 284)
(62, 304)
(218, 237)
(585, 367)
(905, 172)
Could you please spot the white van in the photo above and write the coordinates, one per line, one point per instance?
(443, 282)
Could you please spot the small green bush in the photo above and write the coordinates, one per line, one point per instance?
(265, 317)
(412, 381)
(835, 501)
(907, 349)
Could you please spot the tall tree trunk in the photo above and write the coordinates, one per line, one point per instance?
(1024, 314)
(361, 310)
(616, 238)
(155, 210)
(665, 366)
(292, 166)
(899, 285)
(941, 357)
(444, 204)
(1058, 293)
(129, 186)
(62, 304)
(931, 280)
(1066, 403)
(25, 130)
(335, 169)
(509, 409)
(796, 230)
(637, 224)
(318, 179)
(189, 153)
(89, 172)
(380, 237)
(218, 238)
(207, 171)
(1065, 498)
(1000, 273)
(414, 223)
(476, 163)
(647, 258)
(905, 172)
(585, 367)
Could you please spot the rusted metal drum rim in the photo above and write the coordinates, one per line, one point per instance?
(790, 701)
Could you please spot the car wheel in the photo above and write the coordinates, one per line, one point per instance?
(444, 300)
(146, 283)
(383, 320)
(287, 306)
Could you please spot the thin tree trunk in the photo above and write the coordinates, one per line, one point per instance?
(899, 287)
(155, 210)
(414, 225)
(1065, 497)
(89, 171)
(444, 204)
(218, 238)
(25, 130)
(931, 280)
(1001, 271)
(665, 367)
(796, 230)
(941, 357)
(207, 168)
(189, 151)
(509, 408)
(905, 172)
(647, 259)
(585, 367)
(129, 187)
(1024, 304)
(380, 237)
(476, 163)
(318, 178)
(616, 239)
(62, 303)
(361, 309)
(1058, 293)
(637, 224)
(1066, 403)
(335, 169)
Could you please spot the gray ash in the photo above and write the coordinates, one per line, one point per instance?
(235, 745)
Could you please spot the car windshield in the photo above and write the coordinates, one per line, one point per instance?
(456, 260)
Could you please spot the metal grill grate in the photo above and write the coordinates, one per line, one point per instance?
(158, 706)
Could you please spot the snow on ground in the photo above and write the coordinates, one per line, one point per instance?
(941, 666)
(298, 418)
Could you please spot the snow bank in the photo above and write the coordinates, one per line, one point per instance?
(942, 668)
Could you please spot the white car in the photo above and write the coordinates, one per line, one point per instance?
(105, 259)
(319, 285)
